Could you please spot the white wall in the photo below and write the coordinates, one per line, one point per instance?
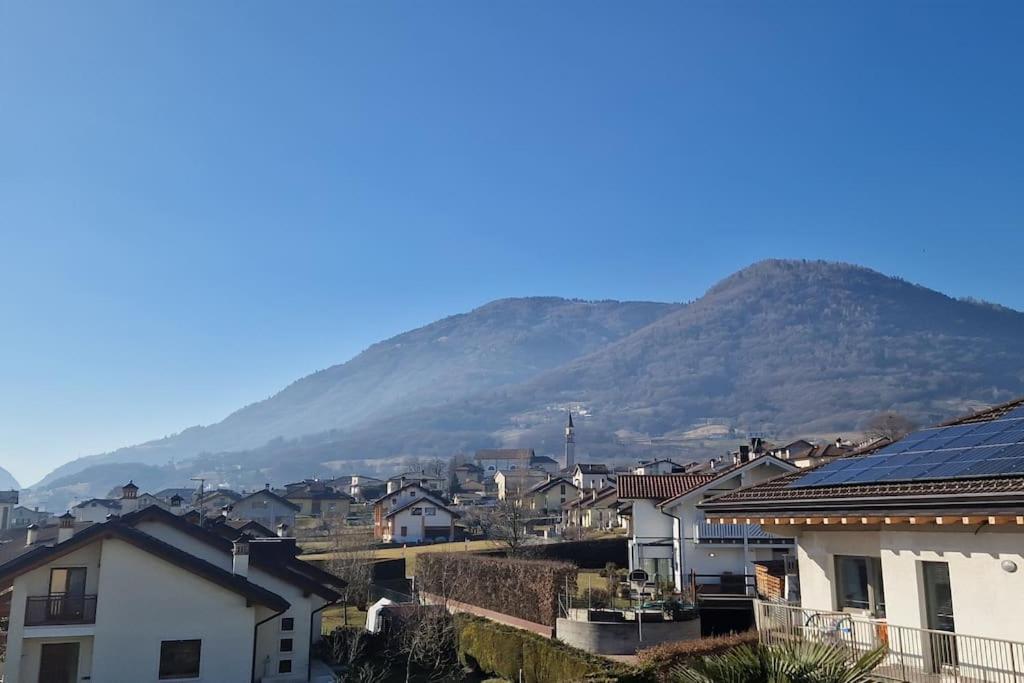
(415, 524)
(987, 601)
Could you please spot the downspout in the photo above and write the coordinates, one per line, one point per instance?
(255, 634)
(312, 616)
(677, 526)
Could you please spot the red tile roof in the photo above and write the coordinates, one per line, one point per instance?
(660, 486)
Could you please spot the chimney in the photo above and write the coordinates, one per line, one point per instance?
(67, 527)
(282, 530)
(711, 464)
(744, 454)
(32, 535)
(129, 490)
(839, 442)
(266, 487)
(240, 557)
(224, 511)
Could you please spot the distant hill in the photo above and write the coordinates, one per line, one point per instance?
(781, 348)
(7, 482)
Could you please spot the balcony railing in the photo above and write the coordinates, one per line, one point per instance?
(59, 610)
(914, 655)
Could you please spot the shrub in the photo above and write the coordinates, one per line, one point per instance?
(500, 650)
(526, 589)
(660, 660)
(794, 662)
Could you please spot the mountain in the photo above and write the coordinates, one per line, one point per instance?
(7, 482)
(782, 348)
(502, 343)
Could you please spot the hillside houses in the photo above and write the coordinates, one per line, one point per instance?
(413, 514)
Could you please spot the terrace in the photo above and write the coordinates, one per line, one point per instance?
(914, 655)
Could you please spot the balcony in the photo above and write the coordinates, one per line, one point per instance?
(913, 655)
(60, 610)
(736, 533)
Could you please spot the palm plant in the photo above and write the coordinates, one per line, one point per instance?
(800, 662)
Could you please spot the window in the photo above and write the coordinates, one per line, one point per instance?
(412, 494)
(859, 584)
(284, 666)
(287, 645)
(405, 531)
(430, 512)
(394, 501)
(179, 659)
(563, 490)
(288, 624)
(417, 512)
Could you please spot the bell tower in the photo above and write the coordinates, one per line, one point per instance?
(570, 444)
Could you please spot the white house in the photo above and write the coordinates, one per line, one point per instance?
(588, 476)
(412, 514)
(22, 517)
(662, 466)
(515, 483)
(672, 541)
(925, 533)
(97, 510)
(150, 597)
(266, 508)
(494, 460)
(427, 481)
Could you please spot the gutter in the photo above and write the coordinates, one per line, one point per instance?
(312, 616)
(255, 634)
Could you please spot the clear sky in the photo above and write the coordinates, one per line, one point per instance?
(203, 201)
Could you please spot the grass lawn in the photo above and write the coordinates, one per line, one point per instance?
(590, 577)
(411, 552)
(333, 617)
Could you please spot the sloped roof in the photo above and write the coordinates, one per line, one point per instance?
(1002, 492)
(659, 486)
(273, 496)
(545, 485)
(592, 468)
(543, 459)
(103, 502)
(419, 501)
(124, 532)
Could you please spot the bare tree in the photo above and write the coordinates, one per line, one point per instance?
(506, 523)
(889, 425)
(352, 558)
(436, 467)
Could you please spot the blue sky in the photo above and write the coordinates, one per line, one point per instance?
(201, 202)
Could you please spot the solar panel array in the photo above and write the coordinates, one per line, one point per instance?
(981, 449)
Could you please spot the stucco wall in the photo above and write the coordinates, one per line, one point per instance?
(987, 601)
(144, 601)
(623, 638)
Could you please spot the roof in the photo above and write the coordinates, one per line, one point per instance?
(213, 493)
(543, 459)
(103, 502)
(547, 484)
(504, 454)
(308, 492)
(659, 461)
(273, 496)
(288, 568)
(167, 494)
(995, 493)
(403, 488)
(415, 475)
(419, 501)
(469, 466)
(154, 546)
(659, 486)
(592, 468)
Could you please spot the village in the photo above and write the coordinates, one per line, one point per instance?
(623, 571)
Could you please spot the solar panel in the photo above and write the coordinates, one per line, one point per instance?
(981, 449)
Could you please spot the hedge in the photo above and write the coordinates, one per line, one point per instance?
(526, 589)
(593, 554)
(501, 650)
(660, 660)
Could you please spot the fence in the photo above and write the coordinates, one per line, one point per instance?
(913, 655)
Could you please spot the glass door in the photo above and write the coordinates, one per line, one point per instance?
(67, 593)
(938, 595)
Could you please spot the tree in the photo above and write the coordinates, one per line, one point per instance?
(435, 467)
(889, 425)
(506, 524)
(800, 662)
(352, 558)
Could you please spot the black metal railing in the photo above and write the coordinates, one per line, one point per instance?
(54, 610)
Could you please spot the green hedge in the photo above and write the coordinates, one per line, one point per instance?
(501, 650)
(527, 589)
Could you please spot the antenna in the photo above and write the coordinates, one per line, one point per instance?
(202, 509)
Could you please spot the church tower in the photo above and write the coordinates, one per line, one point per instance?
(570, 444)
